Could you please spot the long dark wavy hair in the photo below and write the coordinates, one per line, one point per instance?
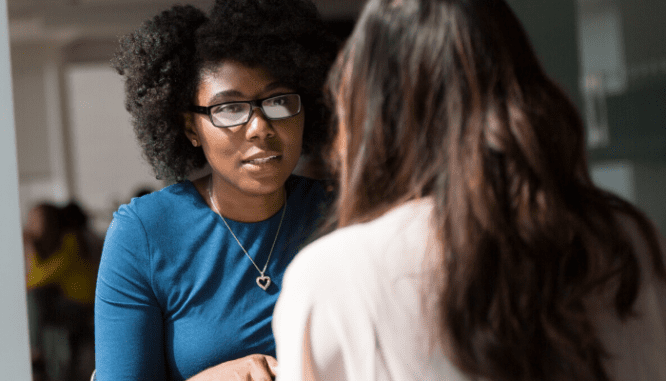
(446, 99)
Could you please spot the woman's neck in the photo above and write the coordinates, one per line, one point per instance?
(236, 205)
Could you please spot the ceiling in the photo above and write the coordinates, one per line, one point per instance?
(64, 21)
(67, 22)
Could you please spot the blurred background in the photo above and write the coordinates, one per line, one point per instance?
(75, 142)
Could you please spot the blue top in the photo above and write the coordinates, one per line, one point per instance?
(176, 294)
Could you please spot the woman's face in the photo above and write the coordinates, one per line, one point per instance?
(254, 158)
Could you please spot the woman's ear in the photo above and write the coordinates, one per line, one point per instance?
(190, 129)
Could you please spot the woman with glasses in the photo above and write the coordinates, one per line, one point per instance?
(190, 274)
(471, 241)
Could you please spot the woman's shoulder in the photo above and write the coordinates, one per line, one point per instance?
(392, 242)
(174, 198)
(639, 234)
(175, 204)
(156, 223)
(411, 218)
(636, 345)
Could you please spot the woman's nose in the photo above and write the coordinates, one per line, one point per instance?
(259, 126)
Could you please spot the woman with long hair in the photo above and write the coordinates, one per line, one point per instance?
(471, 242)
(223, 104)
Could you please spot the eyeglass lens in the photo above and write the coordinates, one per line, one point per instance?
(279, 107)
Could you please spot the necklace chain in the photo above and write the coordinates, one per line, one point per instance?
(216, 210)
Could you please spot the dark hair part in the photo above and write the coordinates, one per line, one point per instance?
(162, 62)
(446, 98)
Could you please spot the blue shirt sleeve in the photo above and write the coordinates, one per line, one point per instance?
(128, 320)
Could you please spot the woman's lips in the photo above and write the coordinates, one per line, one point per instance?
(261, 160)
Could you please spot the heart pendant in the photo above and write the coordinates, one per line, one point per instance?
(264, 281)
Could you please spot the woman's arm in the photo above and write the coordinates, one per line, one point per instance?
(129, 334)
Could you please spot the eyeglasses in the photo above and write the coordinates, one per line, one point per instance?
(225, 115)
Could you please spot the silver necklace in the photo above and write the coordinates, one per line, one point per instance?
(263, 280)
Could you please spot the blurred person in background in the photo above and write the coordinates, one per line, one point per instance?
(471, 242)
(62, 257)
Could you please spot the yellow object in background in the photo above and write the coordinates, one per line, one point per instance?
(65, 268)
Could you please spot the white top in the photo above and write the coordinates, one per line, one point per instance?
(357, 293)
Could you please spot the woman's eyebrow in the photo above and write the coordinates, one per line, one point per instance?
(223, 96)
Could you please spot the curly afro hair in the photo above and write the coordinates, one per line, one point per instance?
(163, 60)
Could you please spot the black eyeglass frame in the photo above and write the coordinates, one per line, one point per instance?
(255, 103)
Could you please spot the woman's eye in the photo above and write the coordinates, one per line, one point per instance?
(230, 108)
(277, 101)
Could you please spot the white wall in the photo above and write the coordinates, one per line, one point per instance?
(14, 349)
(39, 124)
(107, 163)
